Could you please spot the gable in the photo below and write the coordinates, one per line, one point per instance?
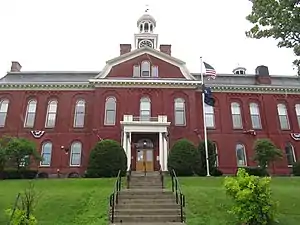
(123, 66)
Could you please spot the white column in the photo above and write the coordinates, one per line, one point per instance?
(161, 150)
(128, 149)
(165, 147)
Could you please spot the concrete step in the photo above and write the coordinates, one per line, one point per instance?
(145, 186)
(148, 197)
(147, 218)
(151, 205)
(146, 201)
(146, 192)
(144, 212)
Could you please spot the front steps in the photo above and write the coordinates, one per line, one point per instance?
(146, 202)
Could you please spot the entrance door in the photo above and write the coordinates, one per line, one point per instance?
(144, 160)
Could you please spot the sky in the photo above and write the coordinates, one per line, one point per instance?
(81, 35)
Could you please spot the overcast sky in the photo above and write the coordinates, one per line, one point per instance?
(72, 35)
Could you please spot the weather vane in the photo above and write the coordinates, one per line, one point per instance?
(147, 8)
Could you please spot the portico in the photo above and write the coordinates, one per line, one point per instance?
(143, 150)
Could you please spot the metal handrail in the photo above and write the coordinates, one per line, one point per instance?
(114, 197)
(180, 198)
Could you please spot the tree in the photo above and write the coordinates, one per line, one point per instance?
(279, 19)
(3, 153)
(265, 153)
(212, 156)
(106, 159)
(183, 158)
(20, 151)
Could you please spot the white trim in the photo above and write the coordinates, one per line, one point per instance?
(71, 154)
(145, 50)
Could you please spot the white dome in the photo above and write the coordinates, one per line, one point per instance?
(146, 17)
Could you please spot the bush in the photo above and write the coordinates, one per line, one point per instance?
(212, 158)
(182, 158)
(257, 171)
(253, 204)
(106, 159)
(296, 169)
(21, 174)
(20, 217)
(216, 172)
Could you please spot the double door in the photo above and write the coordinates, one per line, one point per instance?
(144, 160)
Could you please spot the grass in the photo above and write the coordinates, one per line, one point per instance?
(85, 201)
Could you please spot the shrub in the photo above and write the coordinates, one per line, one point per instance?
(212, 158)
(20, 217)
(296, 169)
(106, 159)
(19, 174)
(253, 204)
(216, 172)
(183, 157)
(257, 171)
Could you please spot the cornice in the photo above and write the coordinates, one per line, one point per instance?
(256, 89)
(41, 86)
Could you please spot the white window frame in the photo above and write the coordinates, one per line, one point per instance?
(28, 113)
(292, 149)
(283, 114)
(3, 111)
(217, 154)
(47, 125)
(179, 111)
(77, 114)
(244, 155)
(209, 113)
(236, 106)
(72, 153)
(110, 101)
(255, 112)
(43, 153)
(136, 71)
(154, 72)
(145, 68)
(145, 109)
(297, 110)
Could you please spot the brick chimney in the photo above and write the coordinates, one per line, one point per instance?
(125, 48)
(262, 75)
(15, 66)
(165, 49)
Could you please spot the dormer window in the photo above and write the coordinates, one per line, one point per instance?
(145, 69)
(239, 72)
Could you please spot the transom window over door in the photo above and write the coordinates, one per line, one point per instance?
(290, 154)
(179, 108)
(209, 116)
(145, 69)
(236, 115)
(110, 111)
(241, 155)
(255, 116)
(283, 117)
(145, 109)
(79, 114)
(3, 111)
(51, 114)
(30, 113)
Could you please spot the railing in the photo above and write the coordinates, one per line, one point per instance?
(114, 197)
(145, 119)
(14, 209)
(180, 198)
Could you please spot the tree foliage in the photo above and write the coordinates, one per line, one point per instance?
(106, 159)
(279, 19)
(212, 155)
(253, 203)
(265, 152)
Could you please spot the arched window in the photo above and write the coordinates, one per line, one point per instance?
(283, 117)
(179, 107)
(255, 116)
(75, 156)
(297, 109)
(51, 114)
(3, 111)
(30, 113)
(241, 155)
(290, 154)
(236, 116)
(145, 69)
(216, 153)
(79, 114)
(145, 109)
(110, 111)
(46, 154)
(209, 116)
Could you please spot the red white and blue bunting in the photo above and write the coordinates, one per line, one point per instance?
(37, 133)
(295, 136)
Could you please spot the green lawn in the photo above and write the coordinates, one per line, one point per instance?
(85, 201)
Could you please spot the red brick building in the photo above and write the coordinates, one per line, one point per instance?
(146, 99)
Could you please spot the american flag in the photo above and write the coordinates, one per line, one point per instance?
(210, 71)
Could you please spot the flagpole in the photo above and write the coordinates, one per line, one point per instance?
(204, 121)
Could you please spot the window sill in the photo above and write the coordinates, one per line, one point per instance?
(43, 166)
(74, 166)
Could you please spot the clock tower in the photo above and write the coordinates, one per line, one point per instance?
(146, 37)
